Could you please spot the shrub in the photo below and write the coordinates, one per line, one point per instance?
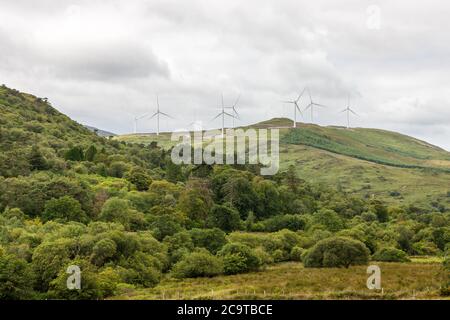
(48, 260)
(104, 249)
(117, 169)
(15, 278)
(139, 178)
(369, 216)
(425, 248)
(37, 160)
(141, 269)
(337, 252)
(94, 284)
(119, 210)
(297, 253)
(239, 258)
(390, 255)
(224, 217)
(211, 239)
(280, 255)
(288, 221)
(74, 154)
(65, 208)
(90, 153)
(329, 219)
(263, 256)
(200, 263)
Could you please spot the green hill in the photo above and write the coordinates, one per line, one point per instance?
(132, 220)
(369, 162)
(27, 121)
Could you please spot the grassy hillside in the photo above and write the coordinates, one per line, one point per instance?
(27, 121)
(368, 162)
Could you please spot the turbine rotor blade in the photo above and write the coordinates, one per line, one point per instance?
(230, 115)
(237, 100)
(165, 114)
(301, 94)
(309, 93)
(299, 110)
(153, 115)
(216, 117)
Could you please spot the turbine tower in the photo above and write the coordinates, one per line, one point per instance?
(296, 107)
(348, 110)
(223, 114)
(311, 105)
(233, 107)
(157, 113)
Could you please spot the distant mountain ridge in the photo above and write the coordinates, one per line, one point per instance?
(101, 133)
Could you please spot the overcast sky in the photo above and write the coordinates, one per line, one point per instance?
(103, 62)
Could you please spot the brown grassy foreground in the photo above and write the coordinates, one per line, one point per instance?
(415, 280)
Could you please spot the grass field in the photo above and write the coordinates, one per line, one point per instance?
(415, 280)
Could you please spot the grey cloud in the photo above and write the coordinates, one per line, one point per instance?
(110, 61)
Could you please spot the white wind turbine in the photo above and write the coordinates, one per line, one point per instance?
(233, 107)
(296, 107)
(311, 105)
(136, 119)
(157, 113)
(348, 110)
(223, 114)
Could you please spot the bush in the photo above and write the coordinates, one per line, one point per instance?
(297, 253)
(119, 210)
(140, 269)
(425, 248)
(65, 208)
(15, 278)
(329, 219)
(288, 221)
(239, 258)
(390, 255)
(117, 169)
(74, 154)
(224, 217)
(337, 252)
(200, 263)
(104, 249)
(211, 239)
(139, 178)
(94, 284)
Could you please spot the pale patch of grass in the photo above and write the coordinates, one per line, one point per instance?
(293, 281)
(426, 259)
